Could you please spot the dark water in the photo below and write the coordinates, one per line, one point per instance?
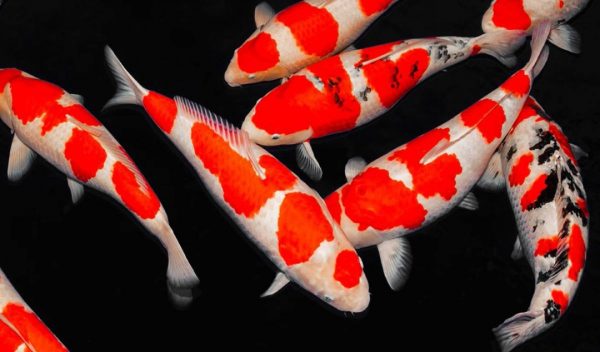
(97, 280)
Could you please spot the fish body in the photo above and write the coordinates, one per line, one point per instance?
(300, 35)
(279, 213)
(422, 180)
(48, 121)
(20, 328)
(524, 15)
(546, 191)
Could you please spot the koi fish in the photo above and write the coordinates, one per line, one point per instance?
(525, 15)
(50, 122)
(353, 88)
(285, 218)
(422, 180)
(300, 35)
(538, 167)
(20, 327)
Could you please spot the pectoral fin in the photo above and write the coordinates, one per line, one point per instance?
(396, 261)
(280, 281)
(20, 159)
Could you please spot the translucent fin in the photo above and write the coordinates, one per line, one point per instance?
(578, 152)
(20, 159)
(518, 329)
(501, 45)
(354, 167)
(493, 177)
(263, 14)
(278, 283)
(470, 202)
(307, 162)
(517, 252)
(396, 261)
(76, 189)
(129, 91)
(567, 38)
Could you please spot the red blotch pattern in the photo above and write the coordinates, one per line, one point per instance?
(7, 75)
(576, 252)
(562, 140)
(243, 189)
(510, 14)
(518, 84)
(369, 7)
(374, 200)
(85, 154)
(347, 269)
(302, 227)
(561, 4)
(258, 54)
(33, 98)
(144, 204)
(581, 204)
(560, 298)
(163, 110)
(32, 329)
(9, 340)
(333, 204)
(314, 29)
(546, 245)
(527, 111)
(520, 170)
(533, 193)
(391, 80)
(488, 117)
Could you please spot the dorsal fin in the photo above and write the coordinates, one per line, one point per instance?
(236, 138)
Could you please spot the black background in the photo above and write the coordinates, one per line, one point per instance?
(96, 279)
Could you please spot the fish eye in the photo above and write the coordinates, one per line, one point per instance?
(328, 299)
(251, 76)
(275, 137)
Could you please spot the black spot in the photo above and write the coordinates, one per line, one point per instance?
(395, 83)
(552, 311)
(364, 95)
(545, 138)
(557, 283)
(511, 152)
(338, 101)
(564, 232)
(544, 276)
(552, 253)
(572, 208)
(547, 194)
(547, 154)
(572, 167)
(414, 70)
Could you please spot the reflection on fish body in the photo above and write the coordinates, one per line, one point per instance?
(52, 123)
(546, 191)
(300, 35)
(286, 219)
(20, 328)
(417, 183)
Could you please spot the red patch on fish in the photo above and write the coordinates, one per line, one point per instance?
(561, 4)
(562, 140)
(488, 117)
(333, 204)
(374, 200)
(6, 75)
(391, 80)
(314, 29)
(163, 110)
(520, 170)
(9, 339)
(546, 245)
(560, 298)
(33, 98)
(518, 84)
(576, 252)
(476, 49)
(581, 204)
(510, 14)
(258, 54)
(375, 52)
(142, 202)
(302, 227)
(528, 110)
(534, 191)
(297, 104)
(347, 269)
(438, 176)
(85, 154)
(369, 7)
(243, 189)
(32, 328)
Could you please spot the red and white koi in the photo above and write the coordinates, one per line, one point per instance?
(537, 166)
(353, 88)
(300, 35)
(525, 15)
(422, 180)
(21, 330)
(278, 212)
(50, 122)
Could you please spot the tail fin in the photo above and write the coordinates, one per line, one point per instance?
(519, 328)
(501, 45)
(129, 91)
(181, 278)
(538, 54)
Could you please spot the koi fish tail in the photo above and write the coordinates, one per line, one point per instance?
(520, 328)
(500, 44)
(129, 91)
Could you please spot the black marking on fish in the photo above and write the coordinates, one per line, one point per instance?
(539, 111)
(551, 253)
(364, 94)
(572, 167)
(564, 232)
(557, 283)
(547, 154)
(547, 194)
(395, 82)
(572, 208)
(511, 152)
(545, 138)
(570, 180)
(414, 70)
(338, 101)
(552, 311)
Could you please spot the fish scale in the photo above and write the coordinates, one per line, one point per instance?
(279, 213)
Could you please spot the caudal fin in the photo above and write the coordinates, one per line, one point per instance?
(501, 45)
(519, 328)
(181, 278)
(539, 51)
(129, 91)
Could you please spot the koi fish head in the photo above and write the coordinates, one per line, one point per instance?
(255, 61)
(271, 128)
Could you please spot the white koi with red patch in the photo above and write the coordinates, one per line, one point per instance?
(284, 217)
(300, 35)
(20, 328)
(525, 15)
(417, 183)
(546, 191)
(50, 122)
(353, 88)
